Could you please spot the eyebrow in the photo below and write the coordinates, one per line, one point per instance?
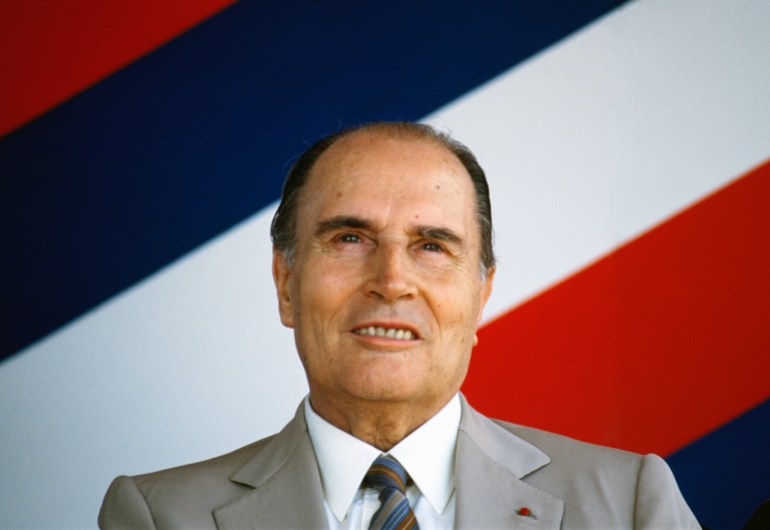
(348, 221)
(341, 221)
(439, 234)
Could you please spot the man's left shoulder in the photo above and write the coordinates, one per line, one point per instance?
(550, 442)
(630, 489)
(575, 464)
(563, 449)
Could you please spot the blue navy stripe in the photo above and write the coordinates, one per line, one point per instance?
(195, 137)
(724, 475)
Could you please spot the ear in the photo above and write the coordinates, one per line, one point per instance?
(486, 291)
(281, 273)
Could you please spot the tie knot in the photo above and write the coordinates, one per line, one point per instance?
(386, 473)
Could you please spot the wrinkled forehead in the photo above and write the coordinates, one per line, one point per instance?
(371, 165)
(385, 156)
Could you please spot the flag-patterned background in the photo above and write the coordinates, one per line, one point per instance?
(144, 144)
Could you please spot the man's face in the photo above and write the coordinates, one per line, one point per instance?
(385, 291)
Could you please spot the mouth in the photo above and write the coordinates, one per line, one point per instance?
(386, 332)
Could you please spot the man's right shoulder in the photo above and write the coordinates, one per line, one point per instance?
(217, 468)
(178, 497)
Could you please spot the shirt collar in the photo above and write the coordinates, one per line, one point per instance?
(427, 454)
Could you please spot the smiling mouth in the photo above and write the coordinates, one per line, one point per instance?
(386, 333)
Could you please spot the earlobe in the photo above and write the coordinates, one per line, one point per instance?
(281, 273)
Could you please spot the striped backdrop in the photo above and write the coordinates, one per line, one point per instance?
(142, 149)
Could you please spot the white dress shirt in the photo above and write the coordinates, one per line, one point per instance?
(427, 454)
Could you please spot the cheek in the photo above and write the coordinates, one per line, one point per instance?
(318, 312)
(329, 287)
(458, 321)
(458, 309)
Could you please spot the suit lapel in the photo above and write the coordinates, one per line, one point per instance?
(287, 486)
(489, 467)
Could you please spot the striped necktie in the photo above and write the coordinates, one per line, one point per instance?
(394, 512)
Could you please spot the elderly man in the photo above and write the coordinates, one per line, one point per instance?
(382, 264)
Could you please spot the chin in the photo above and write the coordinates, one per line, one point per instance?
(386, 393)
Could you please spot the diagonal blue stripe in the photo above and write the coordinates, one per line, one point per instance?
(171, 151)
(724, 475)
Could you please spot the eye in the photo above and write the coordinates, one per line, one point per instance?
(351, 244)
(349, 238)
(432, 247)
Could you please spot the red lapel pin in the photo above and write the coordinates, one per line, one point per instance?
(525, 512)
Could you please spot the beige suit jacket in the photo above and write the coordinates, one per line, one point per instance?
(500, 468)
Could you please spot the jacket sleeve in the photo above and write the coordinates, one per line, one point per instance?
(124, 507)
(659, 503)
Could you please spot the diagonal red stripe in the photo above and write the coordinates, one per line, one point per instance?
(54, 49)
(651, 347)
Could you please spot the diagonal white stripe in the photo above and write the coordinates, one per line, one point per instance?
(586, 145)
(616, 128)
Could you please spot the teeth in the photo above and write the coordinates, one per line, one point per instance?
(389, 333)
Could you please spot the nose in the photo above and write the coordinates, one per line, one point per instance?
(391, 276)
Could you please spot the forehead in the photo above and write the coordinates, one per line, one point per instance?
(368, 170)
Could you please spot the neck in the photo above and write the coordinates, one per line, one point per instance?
(380, 424)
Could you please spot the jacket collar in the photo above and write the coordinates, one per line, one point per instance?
(491, 464)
